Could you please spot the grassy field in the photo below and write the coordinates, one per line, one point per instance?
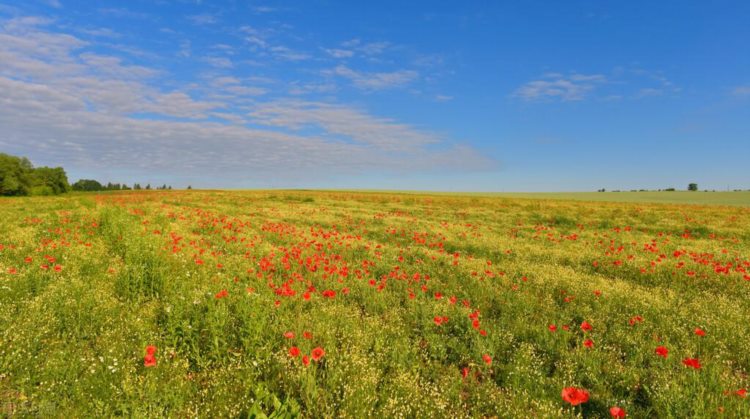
(677, 197)
(740, 198)
(328, 304)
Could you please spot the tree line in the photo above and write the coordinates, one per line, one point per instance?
(89, 185)
(18, 177)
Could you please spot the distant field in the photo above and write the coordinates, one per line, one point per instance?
(349, 304)
(677, 197)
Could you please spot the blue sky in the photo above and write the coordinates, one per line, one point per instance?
(473, 96)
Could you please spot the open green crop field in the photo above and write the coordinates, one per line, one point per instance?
(328, 304)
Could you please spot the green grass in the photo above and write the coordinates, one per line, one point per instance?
(214, 280)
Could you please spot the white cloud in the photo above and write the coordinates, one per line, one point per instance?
(741, 91)
(219, 62)
(355, 47)
(297, 88)
(375, 81)
(95, 112)
(124, 13)
(621, 83)
(260, 41)
(203, 19)
(383, 133)
(373, 48)
(264, 9)
(339, 53)
(101, 32)
(648, 92)
(287, 53)
(185, 50)
(554, 86)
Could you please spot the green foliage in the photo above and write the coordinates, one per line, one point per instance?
(18, 177)
(53, 181)
(87, 185)
(15, 175)
(693, 187)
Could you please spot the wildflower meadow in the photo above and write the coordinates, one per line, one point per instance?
(354, 304)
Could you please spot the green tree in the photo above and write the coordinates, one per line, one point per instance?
(15, 175)
(87, 185)
(693, 187)
(49, 181)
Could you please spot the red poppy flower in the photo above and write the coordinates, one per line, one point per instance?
(307, 335)
(487, 359)
(635, 319)
(317, 353)
(662, 351)
(149, 360)
(588, 343)
(221, 294)
(294, 351)
(58, 268)
(438, 320)
(465, 372)
(306, 296)
(585, 326)
(552, 328)
(617, 412)
(575, 396)
(700, 332)
(692, 363)
(305, 360)
(741, 392)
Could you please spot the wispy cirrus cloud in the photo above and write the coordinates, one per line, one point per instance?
(555, 86)
(382, 133)
(101, 32)
(54, 3)
(262, 42)
(355, 47)
(339, 53)
(741, 91)
(95, 112)
(375, 80)
(124, 13)
(219, 62)
(619, 84)
(203, 19)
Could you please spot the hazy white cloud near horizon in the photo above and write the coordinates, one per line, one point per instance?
(68, 102)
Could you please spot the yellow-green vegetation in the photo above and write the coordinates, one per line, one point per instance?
(328, 304)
